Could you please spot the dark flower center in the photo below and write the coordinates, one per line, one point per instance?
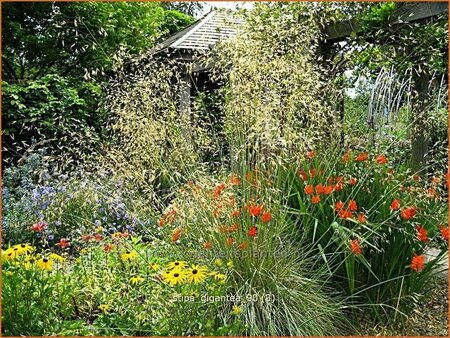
(45, 260)
(22, 245)
(15, 249)
(177, 263)
(176, 274)
(194, 271)
(127, 252)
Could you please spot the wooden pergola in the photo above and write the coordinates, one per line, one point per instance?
(198, 38)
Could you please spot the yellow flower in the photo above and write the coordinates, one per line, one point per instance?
(44, 263)
(100, 229)
(8, 273)
(84, 251)
(236, 310)
(23, 249)
(230, 264)
(129, 255)
(218, 262)
(155, 267)
(220, 277)
(136, 280)
(10, 254)
(104, 307)
(174, 277)
(196, 274)
(176, 265)
(56, 257)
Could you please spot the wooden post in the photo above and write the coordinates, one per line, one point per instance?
(419, 141)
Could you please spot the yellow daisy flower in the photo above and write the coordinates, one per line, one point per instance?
(176, 265)
(44, 263)
(174, 277)
(220, 277)
(155, 267)
(136, 280)
(218, 262)
(236, 310)
(11, 254)
(56, 257)
(104, 307)
(129, 255)
(197, 274)
(24, 248)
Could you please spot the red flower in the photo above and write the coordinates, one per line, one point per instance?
(381, 159)
(230, 241)
(418, 263)
(207, 245)
(422, 234)
(345, 214)
(352, 206)
(235, 213)
(39, 226)
(328, 190)
(87, 237)
(254, 209)
(444, 232)
(408, 213)
(395, 205)
(63, 243)
(310, 154)
(339, 206)
(107, 247)
(355, 248)
(362, 157)
(266, 217)
(352, 181)
(309, 190)
(315, 199)
(362, 218)
(252, 232)
(320, 189)
(98, 237)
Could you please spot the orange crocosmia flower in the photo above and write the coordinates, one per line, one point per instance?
(234, 227)
(266, 217)
(328, 190)
(338, 187)
(346, 157)
(339, 206)
(243, 245)
(254, 209)
(310, 154)
(345, 214)
(353, 181)
(355, 247)
(418, 263)
(444, 232)
(176, 235)
(362, 157)
(408, 213)
(253, 231)
(218, 190)
(320, 189)
(107, 247)
(235, 213)
(312, 172)
(395, 204)
(230, 241)
(381, 159)
(362, 218)
(422, 234)
(207, 245)
(302, 174)
(352, 205)
(235, 180)
(340, 180)
(330, 180)
(315, 199)
(309, 189)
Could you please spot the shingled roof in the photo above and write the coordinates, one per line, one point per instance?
(202, 34)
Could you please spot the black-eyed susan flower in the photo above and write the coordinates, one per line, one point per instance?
(155, 267)
(10, 254)
(129, 255)
(23, 249)
(236, 310)
(196, 274)
(136, 280)
(174, 277)
(56, 257)
(104, 308)
(44, 263)
(176, 265)
(220, 277)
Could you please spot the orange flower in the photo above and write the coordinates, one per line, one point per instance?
(218, 190)
(235, 180)
(330, 180)
(176, 235)
(230, 241)
(338, 187)
(98, 237)
(436, 180)
(381, 159)
(243, 245)
(312, 172)
(309, 189)
(266, 217)
(340, 180)
(362, 218)
(207, 245)
(216, 211)
(310, 154)
(302, 174)
(328, 190)
(63, 243)
(408, 213)
(107, 247)
(447, 180)
(353, 181)
(345, 214)
(235, 213)
(395, 204)
(254, 209)
(352, 206)
(444, 232)
(418, 263)
(362, 157)
(355, 248)
(319, 189)
(252, 232)
(339, 206)
(422, 234)
(315, 199)
(416, 178)
(346, 157)
(391, 171)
